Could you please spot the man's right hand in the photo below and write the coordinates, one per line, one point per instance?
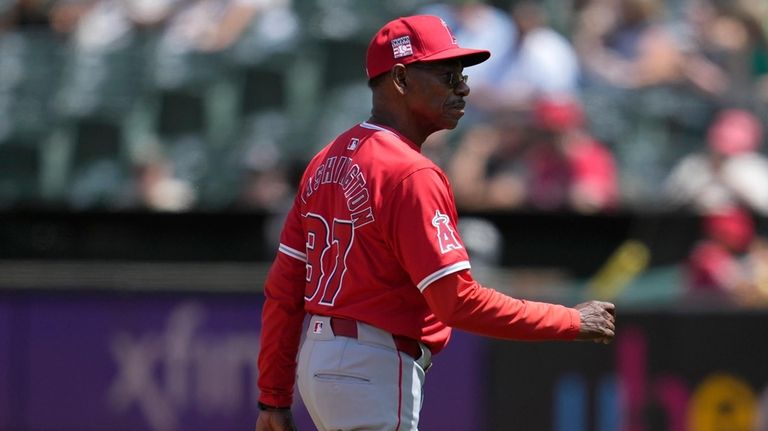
(275, 420)
(598, 321)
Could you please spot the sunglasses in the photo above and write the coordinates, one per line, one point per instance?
(450, 78)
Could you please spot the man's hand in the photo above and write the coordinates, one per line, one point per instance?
(598, 320)
(275, 420)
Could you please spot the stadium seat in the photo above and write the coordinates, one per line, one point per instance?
(19, 174)
(98, 170)
(102, 83)
(29, 68)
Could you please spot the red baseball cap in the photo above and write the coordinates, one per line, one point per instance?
(735, 131)
(416, 38)
(732, 226)
(558, 113)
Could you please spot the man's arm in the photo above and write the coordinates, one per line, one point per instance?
(282, 321)
(461, 302)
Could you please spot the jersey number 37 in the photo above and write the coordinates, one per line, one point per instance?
(327, 246)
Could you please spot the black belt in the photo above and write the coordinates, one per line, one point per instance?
(348, 328)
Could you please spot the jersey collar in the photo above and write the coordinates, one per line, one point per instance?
(381, 128)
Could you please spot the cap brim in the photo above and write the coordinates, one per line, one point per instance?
(468, 57)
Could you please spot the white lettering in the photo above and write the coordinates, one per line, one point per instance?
(329, 170)
(350, 178)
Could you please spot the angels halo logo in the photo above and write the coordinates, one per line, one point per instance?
(446, 236)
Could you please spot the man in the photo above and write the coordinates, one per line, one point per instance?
(731, 171)
(370, 252)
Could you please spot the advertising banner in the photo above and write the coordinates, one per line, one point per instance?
(169, 363)
(5, 366)
(683, 371)
(176, 362)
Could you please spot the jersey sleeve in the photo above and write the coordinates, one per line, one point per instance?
(420, 223)
(292, 238)
(461, 302)
(282, 316)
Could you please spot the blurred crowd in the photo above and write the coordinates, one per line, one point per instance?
(638, 105)
(586, 106)
(141, 104)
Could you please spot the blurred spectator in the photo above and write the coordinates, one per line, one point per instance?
(66, 15)
(623, 43)
(704, 66)
(157, 189)
(185, 57)
(550, 164)
(267, 181)
(104, 67)
(541, 63)
(476, 23)
(265, 188)
(487, 169)
(755, 49)
(211, 25)
(729, 172)
(728, 50)
(6, 16)
(110, 24)
(730, 259)
(438, 148)
(569, 169)
(757, 11)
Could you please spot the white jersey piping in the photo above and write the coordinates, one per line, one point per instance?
(367, 125)
(450, 269)
(296, 254)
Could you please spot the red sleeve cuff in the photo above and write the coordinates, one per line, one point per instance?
(277, 401)
(575, 327)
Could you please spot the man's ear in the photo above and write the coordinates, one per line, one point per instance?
(399, 80)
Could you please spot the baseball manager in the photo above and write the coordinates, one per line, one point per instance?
(370, 252)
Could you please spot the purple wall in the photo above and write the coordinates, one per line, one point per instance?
(455, 390)
(169, 362)
(5, 357)
(141, 363)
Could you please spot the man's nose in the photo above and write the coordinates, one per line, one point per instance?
(462, 89)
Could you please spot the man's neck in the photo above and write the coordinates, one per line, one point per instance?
(402, 126)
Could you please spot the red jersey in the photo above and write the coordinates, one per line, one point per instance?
(374, 223)
(371, 229)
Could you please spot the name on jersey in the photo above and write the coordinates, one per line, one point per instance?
(344, 173)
